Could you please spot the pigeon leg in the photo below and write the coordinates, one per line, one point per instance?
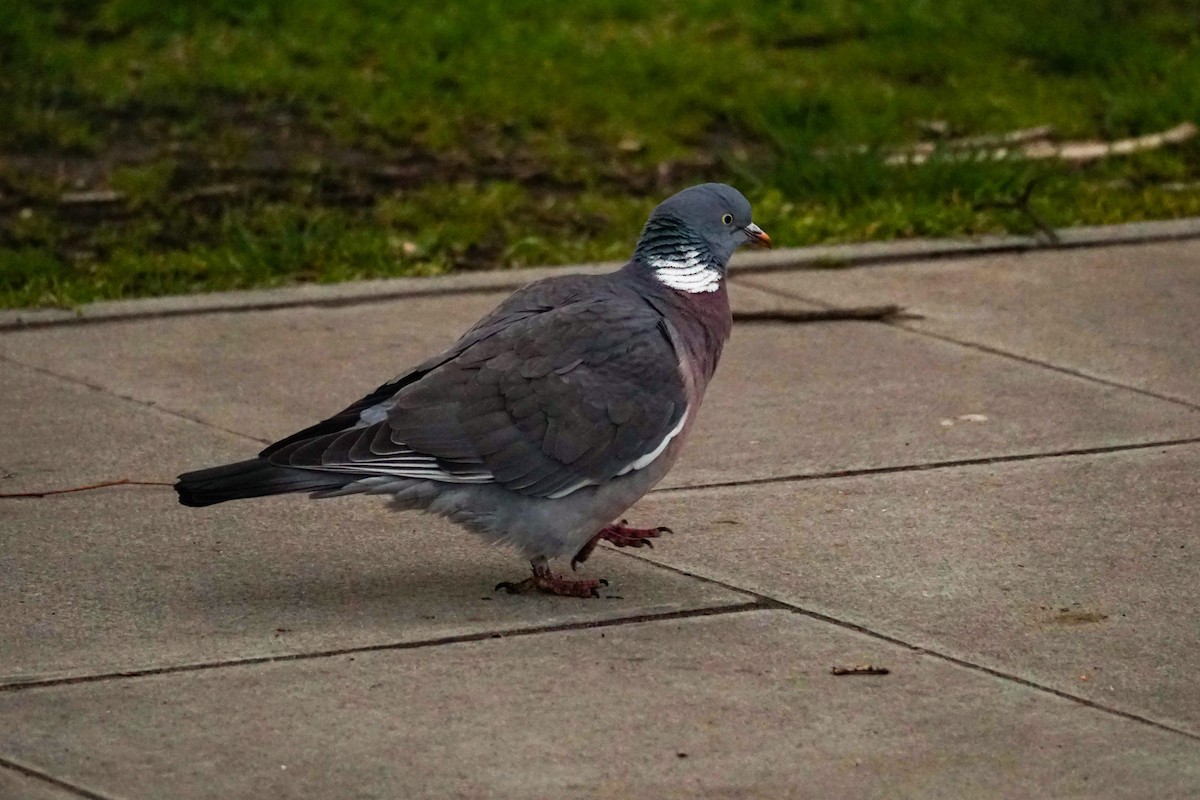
(621, 535)
(543, 580)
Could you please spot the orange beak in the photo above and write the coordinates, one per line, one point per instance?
(757, 236)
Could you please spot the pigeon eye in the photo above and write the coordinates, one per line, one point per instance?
(728, 218)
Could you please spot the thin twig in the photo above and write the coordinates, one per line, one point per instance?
(1079, 152)
(1021, 203)
(89, 487)
(921, 151)
(860, 669)
(1020, 136)
(806, 315)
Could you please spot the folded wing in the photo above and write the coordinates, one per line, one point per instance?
(542, 398)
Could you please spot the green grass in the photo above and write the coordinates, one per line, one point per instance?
(260, 142)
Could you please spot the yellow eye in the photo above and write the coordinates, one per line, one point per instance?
(728, 218)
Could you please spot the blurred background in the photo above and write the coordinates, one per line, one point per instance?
(155, 148)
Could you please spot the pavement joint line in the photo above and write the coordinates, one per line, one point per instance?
(482, 636)
(1045, 364)
(37, 774)
(166, 410)
(995, 351)
(819, 257)
(766, 601)
(932, 465)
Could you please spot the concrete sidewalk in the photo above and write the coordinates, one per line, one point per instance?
(998, 502)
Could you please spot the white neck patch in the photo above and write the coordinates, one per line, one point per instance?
(687, 274)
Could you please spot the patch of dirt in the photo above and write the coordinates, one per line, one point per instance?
(251, 156)
(1078, 617)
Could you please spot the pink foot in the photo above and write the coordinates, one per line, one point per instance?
(621, 535)
(543, 580)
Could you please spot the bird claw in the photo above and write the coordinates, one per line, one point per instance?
(546, 582)
(622, 535)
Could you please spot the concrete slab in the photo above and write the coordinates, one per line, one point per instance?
(127, 579)
(1076, 572)
(16, 786)
(788, 399)
(795, 400)
(1129, 314)
(737, 705)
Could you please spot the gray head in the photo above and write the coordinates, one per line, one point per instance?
(691, 235)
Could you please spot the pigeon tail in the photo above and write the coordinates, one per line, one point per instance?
(256, 477)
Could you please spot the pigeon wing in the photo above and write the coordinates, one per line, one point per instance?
(542, 399)
(536, 298)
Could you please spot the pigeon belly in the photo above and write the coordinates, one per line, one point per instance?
(534, 525)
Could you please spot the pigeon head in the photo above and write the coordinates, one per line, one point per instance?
(690, 236)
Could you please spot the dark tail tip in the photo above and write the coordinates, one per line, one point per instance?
(255, 477)
(190, 496)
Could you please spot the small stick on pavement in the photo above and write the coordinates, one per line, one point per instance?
(860, 669)
(89, 487)
(878, 313)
